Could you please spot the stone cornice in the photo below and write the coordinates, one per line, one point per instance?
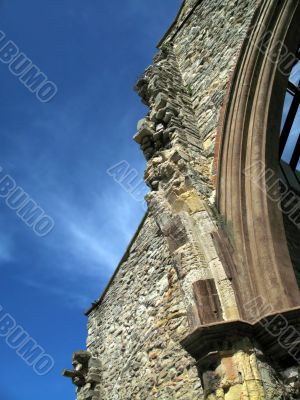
(278, 335)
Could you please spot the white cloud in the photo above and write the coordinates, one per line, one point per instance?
(91, 243)
(97, 237)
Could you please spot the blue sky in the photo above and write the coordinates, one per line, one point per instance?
(59, 152)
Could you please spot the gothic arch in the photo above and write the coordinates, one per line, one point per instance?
(250, 132)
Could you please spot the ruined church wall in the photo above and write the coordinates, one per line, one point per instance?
(136, 328)
(207, 49)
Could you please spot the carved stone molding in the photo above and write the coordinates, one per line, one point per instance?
(231, 356)
(277, 334)
(250, 139)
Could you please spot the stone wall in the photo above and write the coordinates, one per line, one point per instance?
(207, 48)
(136, 329)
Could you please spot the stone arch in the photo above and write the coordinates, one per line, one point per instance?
(251, 122)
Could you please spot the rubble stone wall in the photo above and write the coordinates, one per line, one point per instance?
(136, 329)
(207, 48)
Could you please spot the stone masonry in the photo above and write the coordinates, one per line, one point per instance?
(170, 324)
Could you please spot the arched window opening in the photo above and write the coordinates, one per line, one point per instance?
(290, 165)
(290, 130)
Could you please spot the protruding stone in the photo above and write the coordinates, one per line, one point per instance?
(81, 357)
(160, 114)
(141, 122)
(167, 117)
(159, 127)
(160, 101)
(143, 132)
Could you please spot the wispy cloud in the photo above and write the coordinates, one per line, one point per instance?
(64, 170)
(89, 243)
(6, 248)
(98, 236)
(71, 298)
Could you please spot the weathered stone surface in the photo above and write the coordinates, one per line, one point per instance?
(135, 330)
